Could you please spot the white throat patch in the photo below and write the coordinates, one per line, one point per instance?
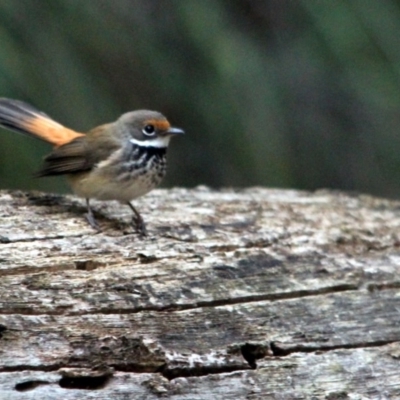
(160, 142)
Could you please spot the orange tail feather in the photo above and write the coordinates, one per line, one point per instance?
(24, 118)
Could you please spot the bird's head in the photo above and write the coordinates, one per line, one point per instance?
(148, 128)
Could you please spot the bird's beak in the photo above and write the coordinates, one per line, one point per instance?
(174, 131)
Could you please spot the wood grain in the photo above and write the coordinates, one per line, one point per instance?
(250, 294)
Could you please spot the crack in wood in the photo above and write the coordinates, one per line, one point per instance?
(30, 312)
(174, 373)
(250, 352)
(225, 302)
(29, 385)
(7, 240)
(183, 307)
(372, 287)
(282, 350)
(84, 382)
(26, 367)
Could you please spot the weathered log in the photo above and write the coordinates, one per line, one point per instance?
(247, 294)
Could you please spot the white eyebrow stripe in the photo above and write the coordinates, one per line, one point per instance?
(161, 141)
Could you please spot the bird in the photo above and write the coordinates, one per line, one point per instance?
(121, 160)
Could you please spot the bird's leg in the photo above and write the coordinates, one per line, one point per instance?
(90, 217)
(138, 221)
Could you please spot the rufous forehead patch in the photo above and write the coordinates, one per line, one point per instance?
(159, 124)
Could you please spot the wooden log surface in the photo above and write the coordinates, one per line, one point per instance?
(235, 294)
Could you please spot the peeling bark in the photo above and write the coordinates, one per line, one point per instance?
(253, 294)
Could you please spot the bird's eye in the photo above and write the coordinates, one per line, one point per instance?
(149, 130)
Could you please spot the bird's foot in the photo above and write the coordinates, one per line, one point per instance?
(139, 225)
(92, 221)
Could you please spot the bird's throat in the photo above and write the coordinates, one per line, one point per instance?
(159, 142)
(143, 154)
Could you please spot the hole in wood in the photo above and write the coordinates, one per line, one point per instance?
(248, 354)
(338, 396)
(3, 328)
(252, 352)
(86, 265)
(29, 385)
(84, 382)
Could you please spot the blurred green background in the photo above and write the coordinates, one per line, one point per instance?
(281, 93)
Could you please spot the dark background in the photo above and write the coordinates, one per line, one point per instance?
(281, 93)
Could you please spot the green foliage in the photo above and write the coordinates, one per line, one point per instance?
(280, 93)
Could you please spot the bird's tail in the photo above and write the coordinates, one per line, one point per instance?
(24, 118)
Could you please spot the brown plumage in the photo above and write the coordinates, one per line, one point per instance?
(117, 161)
